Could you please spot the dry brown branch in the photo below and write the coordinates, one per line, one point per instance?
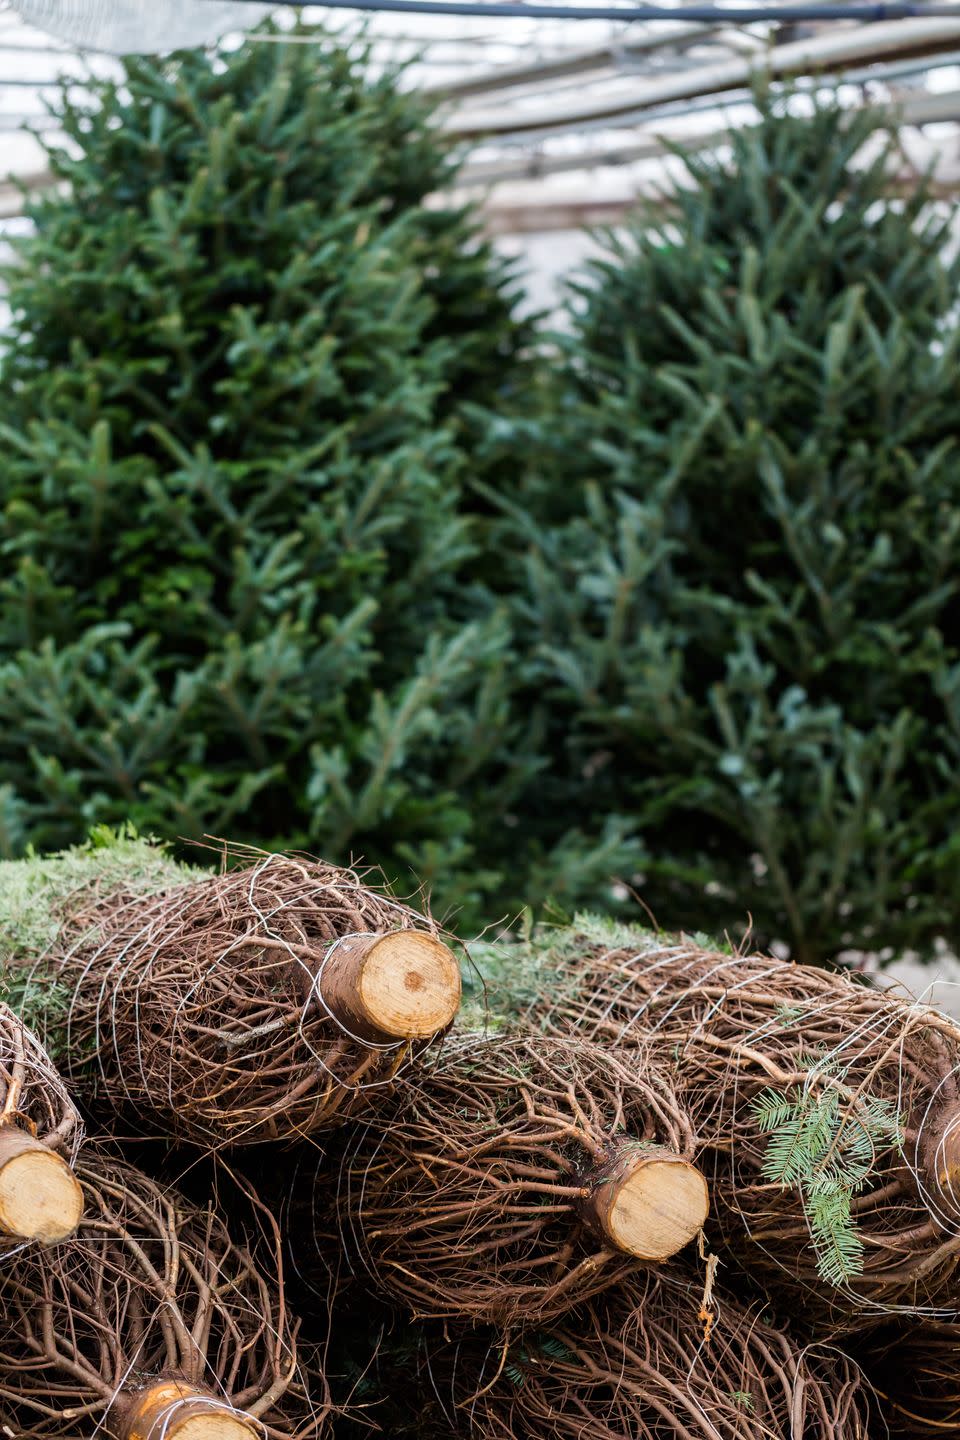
(266, 1003)
(513, 1178)
(915, 1372)
(633, 1363)
(152, 1321)
(40, 1133)
(849, 1064)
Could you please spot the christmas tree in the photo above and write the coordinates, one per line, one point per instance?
(236, 405)
(742, 590)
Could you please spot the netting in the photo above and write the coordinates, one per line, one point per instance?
(151, 1291)
(221, 1010)
(915, 1372)
(37, 1119)
(138, 27)
(32, 1094)
(513, 1178)
(831, 1109)
(635, 1362)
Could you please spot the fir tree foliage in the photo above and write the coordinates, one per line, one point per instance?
(236, 405)
(741, 540)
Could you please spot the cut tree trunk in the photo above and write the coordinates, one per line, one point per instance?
(155, 1319)
(40, 1133)
(510, 1180)
(646, 1201)
(829, 1111)
(172, 1410)
(270, 1002)
(40, 1198)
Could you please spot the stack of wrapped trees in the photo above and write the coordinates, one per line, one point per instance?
(154, 1319)
(267, 1003)
(652, 1190)
(830, 1109)
(828, 1119)
(633, 1364)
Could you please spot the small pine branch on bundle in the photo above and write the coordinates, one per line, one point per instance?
(826, 1149)
(831, 1109)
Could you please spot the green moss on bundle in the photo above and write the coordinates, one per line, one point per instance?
(38, 895)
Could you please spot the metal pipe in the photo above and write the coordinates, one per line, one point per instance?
(488, 172)
(914, 110)
(577, 63)
(822, 53)
(52, 49)
(698, 14)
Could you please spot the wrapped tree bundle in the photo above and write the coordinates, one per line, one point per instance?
(636, 1363)
(40, 1133)
(153, 1322)
(831, 1108)
(514, 1178)
(264, 1003)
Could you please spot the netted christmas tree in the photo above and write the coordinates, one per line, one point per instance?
(237, 399)
(742, 581)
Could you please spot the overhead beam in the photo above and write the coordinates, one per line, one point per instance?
(819, 54)
(913, 109)
(542, 217)
(576, 62)
(919, 108)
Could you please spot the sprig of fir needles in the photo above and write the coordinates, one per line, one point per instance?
(824, 1142)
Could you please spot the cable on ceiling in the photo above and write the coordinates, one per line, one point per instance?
(694, 14)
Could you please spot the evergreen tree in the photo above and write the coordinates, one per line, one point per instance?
(744, 557)
(244, 362)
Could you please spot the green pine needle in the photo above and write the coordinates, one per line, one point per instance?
(824, 1142)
